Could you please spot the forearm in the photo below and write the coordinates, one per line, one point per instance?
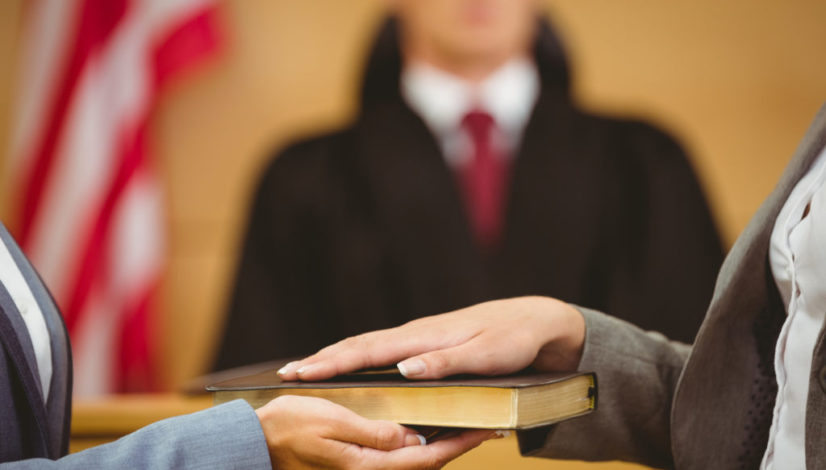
(227, 436)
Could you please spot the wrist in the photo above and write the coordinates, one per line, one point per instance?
(561, 336)
(573, 341)
(268, 418)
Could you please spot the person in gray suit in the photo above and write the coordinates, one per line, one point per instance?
(749, 393)
(289, 432)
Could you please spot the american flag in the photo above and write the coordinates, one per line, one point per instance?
(89, 205)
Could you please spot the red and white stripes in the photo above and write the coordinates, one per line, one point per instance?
(89, 203)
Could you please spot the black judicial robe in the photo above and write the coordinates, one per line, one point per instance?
(364, 228)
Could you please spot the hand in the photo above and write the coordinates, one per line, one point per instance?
(492, 338)
(306, 432)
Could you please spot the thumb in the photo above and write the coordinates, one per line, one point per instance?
(380, 435)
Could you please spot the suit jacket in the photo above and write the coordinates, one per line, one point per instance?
(708, 406)
(364, 228)
(34, 433)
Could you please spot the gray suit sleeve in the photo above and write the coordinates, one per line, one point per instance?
(228, 436)
(637, 373)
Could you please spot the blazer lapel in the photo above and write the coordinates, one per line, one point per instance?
(18, 346)
(58, 403)
(727, 371)
(18, 327)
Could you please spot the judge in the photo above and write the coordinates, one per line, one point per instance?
(469, 174)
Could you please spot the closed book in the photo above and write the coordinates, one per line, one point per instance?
(519, 401)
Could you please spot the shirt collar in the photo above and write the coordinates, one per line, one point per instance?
(442, 99)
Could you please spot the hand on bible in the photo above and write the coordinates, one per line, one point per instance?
(491, 338)
(305, 432)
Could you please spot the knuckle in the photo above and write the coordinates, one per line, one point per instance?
(357, 343)
(438, 361)
(350, 342)
(385, 436)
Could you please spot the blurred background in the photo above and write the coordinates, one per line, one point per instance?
(737, 82)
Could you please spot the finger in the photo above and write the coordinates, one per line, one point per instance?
(342, 357)
(375, 349)
(431, 456)
(483, 355)
(331, 421)
(379, 435)
(347, 426)
(288, 369)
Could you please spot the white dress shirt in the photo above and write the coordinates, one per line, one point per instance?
(442, 100)
(798, 262)
(12, 279)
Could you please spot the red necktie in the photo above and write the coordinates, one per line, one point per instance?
(483, 180)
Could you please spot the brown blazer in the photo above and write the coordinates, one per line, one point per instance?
(706, 406)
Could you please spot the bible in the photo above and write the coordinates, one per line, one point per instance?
(519, 401)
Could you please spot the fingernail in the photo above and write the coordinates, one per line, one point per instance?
(287, 368)
(501, 433)
(304, 370)
(411, 367)
(414, 440)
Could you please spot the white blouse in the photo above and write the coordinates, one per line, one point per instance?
(798, 262)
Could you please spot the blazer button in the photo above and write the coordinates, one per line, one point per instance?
(823, 378)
